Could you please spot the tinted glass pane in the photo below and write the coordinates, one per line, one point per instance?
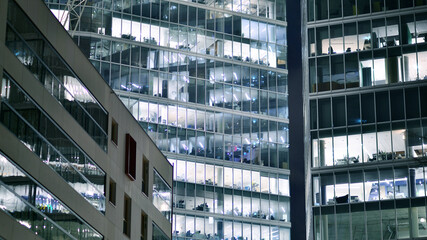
(349, 7)
(337, 72)
(337, 43)
(313, 114)
(322, 41)
(339, 111)
(363, 6)
(368, 114)
(423, 94)
(323, 74)
(377, 5)
(391, 4)
(382, 104)
(312, 72)
(406, 3)
(351, 70)
(353, 111)
(335, 8)
(412, 103)
(322, 10)
(397, 104)
(324, 113)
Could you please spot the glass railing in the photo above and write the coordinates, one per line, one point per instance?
(42, 213)
(162, 195)
(158, 234)
(35, 52)
(39, 134)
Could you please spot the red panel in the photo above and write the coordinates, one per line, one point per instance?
(130, 158)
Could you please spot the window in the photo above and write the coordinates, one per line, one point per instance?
(162, 195)
(114, 131)
(112, 192)
(127, 215)
(130, 158)
(145, 173)
(158, 234)
(144, 222)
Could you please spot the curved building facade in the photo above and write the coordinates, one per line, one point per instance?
(207, 80)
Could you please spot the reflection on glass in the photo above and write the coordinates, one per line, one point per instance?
(37, 209)
(162, 195)
(356, 187)
(371, 186)
(49, 142)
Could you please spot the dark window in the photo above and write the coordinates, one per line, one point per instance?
(322, 9)
(339, 111)
(192, 20)
(130, 158)
(201, 16)
(164, 11)
(414, 138)
(335, 8)
(323, 77)
(114, 131)
(311, 42)
(337, 72)
(112, 192)
(406, 3)
(349, 7)
(337, 42)
(144, 223)
(397, 105)
(368, 113)
(382, 104)
(324, 113)
(322, 40)
(183, 14)
(145, 175)
(377, 5)
(127, 215)
(353, 110)
(135, 54)
(405, 22)
(173, 12)
(313, 114)
(391, 4)
(191, 90)
(312, 71)
(363, 6)
(412, 103)
(423, 95)
(351, 70)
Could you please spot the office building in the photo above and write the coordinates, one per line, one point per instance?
(366, 80)
(74, 163)
(207, 80)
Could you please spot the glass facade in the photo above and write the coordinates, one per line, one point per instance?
(26, 42)
(207, 80)
(162, 195)
(367, 93)
(33, 206)
(40, 134)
